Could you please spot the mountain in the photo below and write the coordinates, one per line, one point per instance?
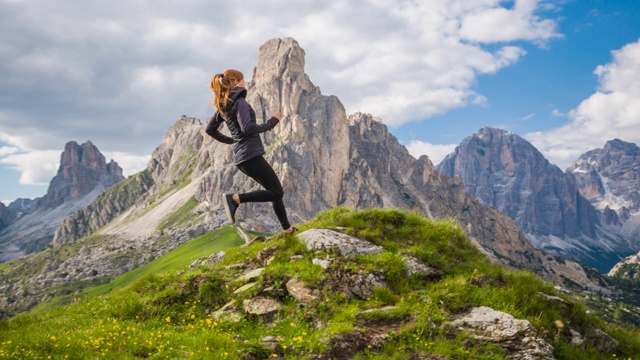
(506, 172)
(82, 176)
(7, 216)
(324, 158)
(610, 179)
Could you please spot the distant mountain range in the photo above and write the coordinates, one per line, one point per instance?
(324, 158)
(27, 226)
(588, 213)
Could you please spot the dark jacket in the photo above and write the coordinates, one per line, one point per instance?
(241, 121)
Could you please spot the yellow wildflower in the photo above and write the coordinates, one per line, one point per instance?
(168, 318)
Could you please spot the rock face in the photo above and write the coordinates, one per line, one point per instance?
(506, 172)
(82, 168)
(7, 216)
(82, 176)
(610, 179)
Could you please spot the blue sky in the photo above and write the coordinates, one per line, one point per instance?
(563, 74)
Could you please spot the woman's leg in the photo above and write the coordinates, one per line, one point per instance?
(260, 170)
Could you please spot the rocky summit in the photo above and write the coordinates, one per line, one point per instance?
(83, 174)
(506, 172)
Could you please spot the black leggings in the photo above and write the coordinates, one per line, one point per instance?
(259, 170)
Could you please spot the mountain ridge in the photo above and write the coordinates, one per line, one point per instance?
(505, 171)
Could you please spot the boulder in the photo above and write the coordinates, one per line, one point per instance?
(517, 336)
(300, 292)
(345, 245)
(417, 267)
(362, 286)
(261, 305)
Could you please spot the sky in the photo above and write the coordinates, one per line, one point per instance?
(563, 74)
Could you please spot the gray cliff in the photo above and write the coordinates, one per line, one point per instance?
(506, 172)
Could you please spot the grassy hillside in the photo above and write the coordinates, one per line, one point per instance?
(222, 238)
(167, 313)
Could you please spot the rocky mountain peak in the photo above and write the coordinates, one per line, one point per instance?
(505, 171)
(610, 179)
(82, 168)
(82, 176)
(279, 59)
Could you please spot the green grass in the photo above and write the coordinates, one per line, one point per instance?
(220, 239)
(162, 312)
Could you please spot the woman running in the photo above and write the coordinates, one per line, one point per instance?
(235, 111)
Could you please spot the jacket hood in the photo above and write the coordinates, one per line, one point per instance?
(237, 92)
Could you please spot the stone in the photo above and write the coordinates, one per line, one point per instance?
(363, 285)
(415, 266)
(345, 245)
(303, 294)
(323, 263)
(517, 336)
(553, 298)
(251, 274)
(576, 338)
(214, 258)
(261, 305)
(196, 263)
(382, 309)
(271, 342)
(602, 341)
(265, 254)
(245, 288)
(227, 313)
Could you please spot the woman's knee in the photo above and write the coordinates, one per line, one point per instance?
(279, 193)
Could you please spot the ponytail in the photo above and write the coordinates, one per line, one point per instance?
(221, 85)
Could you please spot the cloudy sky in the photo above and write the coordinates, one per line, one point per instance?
(564, 74)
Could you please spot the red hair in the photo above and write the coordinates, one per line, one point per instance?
(221, 85)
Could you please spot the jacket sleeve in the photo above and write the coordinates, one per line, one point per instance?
(214, 125)
(248, 124)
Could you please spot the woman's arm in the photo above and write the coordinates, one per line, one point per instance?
(248, 123)
(212, 129)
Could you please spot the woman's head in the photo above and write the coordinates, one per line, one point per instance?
(221, 85)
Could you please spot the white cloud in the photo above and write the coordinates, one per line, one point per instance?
(436, 153)
(490, 23)
(130, 163)
(7, 150)
(613, 110)
(35, 167)
(121, 75)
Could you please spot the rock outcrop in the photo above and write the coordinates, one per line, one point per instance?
(82, 168)
(82, 176)
(506, 172)
(628, 268)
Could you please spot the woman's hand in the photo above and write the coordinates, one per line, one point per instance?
(277, 115)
